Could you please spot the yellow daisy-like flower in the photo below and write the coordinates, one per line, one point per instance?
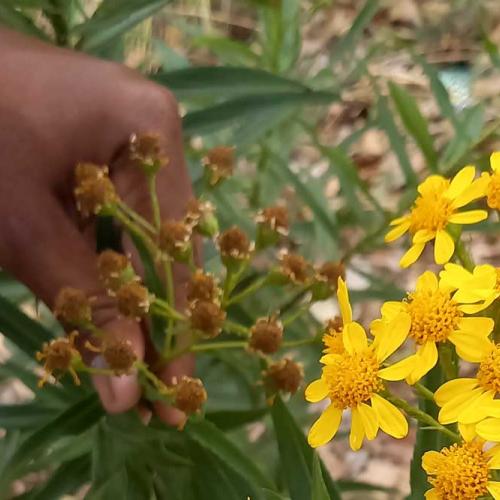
(469, 400)
(493, 182)
(437, 206)
(462, 471)
(332, 338)
(479, 288)
(436, 317)
(354, 380)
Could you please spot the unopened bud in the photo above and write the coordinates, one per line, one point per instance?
(114, 269)
(286, 376)
(207, 317)
(189, 395)
(119, 356)
(200, 216)
(133, 300)
(326, 279)
(72, 307)
(293, 268)
(219, 163)
(272, 224)
(202, 286)
(234, 247)
(94, 191)
(266, 335)
(175, 239)
(145, 152)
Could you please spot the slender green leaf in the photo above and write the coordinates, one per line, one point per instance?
(24, 332)
(24, 416)
(112, 19)
(15, 19)
(415, 123)
(272, 495)
(225, 82)
(227, 50)
(228, 420)
(347, 485)
(210, 437)
(319, 491)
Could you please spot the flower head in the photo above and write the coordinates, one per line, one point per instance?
(117, 353)
(219, 162)
(293, 267)
(133, 300)
(207, 317)
(202, 286)
(326, 279)
(189, 395)
(435, 317)
(274, 218)
(145, 152)
(462, 470)
(285, 375)
(200, 216)
(493, 182)
(175, 238)
(266, 335)
(354, 379)
(114, 269)
(234, 246)
(437, 206)
(72, 307)
(59, 355)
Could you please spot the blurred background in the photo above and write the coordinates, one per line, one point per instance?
(338, 108)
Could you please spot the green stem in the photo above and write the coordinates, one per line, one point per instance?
(298, 343)
(424, 392)
(296, 315)
(133, 228)
(233, 344)
(232, 278)
(463, 255)
(135, 217)
(251, 289)
(159, 384)
(233, 327)
(422, 416)
(163, 308)
(155, 205)
(448, 361)
(169, 281)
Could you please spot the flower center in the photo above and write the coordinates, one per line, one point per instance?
(493, 191)
(434, 315)
(488, 374)
(352, 378)
(431, 210)
(462, 472)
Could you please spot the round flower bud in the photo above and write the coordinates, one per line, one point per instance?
(200, 216)
(219, 163)
(234, 246)
(207, 317)
(175, 239)
(94, 191)
(133, 300)
(326, 279)
(145, 152)
(119, 356)
(272, 223)
(72, 307)
(189, 395)
(266, 335)
(202, 286)
(89, 171)
(293, 268)
(114, 269)
(286, 375)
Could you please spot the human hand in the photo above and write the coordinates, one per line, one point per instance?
(58, 108)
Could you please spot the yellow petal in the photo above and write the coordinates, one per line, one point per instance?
(494, 489)
(400, 370)
(489, 429)
(495, 161)
(427, 281)
(431, 460)
(423, 236)
(357, 430)
(451, 410)
(390, 419)
(412, 255)
(369, 419)
(391, 308)
(480, 326)
(432, 184)
(354, 338)
(494, 454)
(444, 246)
(426, 359)
(475, 308)
(468, 217)
(471, 347)
(397, 232)
(344, 304)
(467, 431)
(476, 190)
(454, 275)
(453, 388)
(391, 338)
(480, 409)
(329, 359)
(325, 428)
(316, 391)
(461, 182)
(432, 495)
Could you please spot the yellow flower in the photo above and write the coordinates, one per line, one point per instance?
(493, 182)
(437, 206)
(479, 288)
(353, 380)
(462, 471)
(469, 400)
(436, 317)
(332, 338)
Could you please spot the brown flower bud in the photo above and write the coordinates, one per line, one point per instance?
(133, 300)
(119, 356)
(219, 162)
(175, 239)
(202, 286)
(189, 395)
(200, 216)
(207, 317)
(94, 191)
(274, 218)
(326, 279)
(234, 245)
(72, 307)
(266, 335)
(294, 267)
(286, 375)
(332, 337)
(145, 152)
(114, 269)
(59, 355)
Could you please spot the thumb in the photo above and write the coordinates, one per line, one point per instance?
(47, 253)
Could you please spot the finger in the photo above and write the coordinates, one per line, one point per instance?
(45, 251)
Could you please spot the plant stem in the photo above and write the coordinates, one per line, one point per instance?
(155, 205)
(298, 343)
(135, 229)
(424, 392)
(163, 308)
(252, 288)
(135, 217)
(422, 416)
(169, 281)
(233, 344)
(296, 315)
(463, 255)
(232, 278)
(159, 384)
(233, 327)
(448, 361)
